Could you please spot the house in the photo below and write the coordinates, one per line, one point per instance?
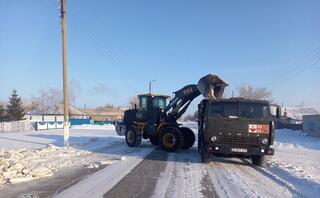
(57, 116)
(104, 113)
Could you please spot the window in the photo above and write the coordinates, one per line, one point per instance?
(143, 102)
(253, 110)
(224, 109)
(159, 103)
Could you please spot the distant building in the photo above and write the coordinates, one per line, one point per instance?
(311, 125)
(297, 113)
(104, 113)
(36, 116)
(95, 114)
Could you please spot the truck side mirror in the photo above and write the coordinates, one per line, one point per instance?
(278, 112)
(135, 106)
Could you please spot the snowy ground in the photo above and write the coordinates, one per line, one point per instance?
(292, 171)
(26, 156)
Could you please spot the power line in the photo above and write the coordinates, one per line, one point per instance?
(88, 35)
(293, 66)
(302, 62)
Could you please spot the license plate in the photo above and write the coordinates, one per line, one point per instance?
(239, 150)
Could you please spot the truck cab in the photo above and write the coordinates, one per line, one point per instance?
(235, 127)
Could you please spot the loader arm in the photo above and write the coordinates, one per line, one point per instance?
(181, 101)
(210, 86)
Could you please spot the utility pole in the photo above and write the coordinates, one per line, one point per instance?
(150, 85)
(65, 73)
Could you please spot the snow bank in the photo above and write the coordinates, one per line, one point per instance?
(91, 126)
(26, 156)
(24, 165)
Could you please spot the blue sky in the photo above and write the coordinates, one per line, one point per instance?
(116, 47)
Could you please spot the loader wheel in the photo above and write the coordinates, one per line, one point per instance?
(133, 139)
(154, 140)
(259, 160)
(188, 136)
(170, 139)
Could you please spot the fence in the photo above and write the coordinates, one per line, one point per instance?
(48, 125)
(16, 126)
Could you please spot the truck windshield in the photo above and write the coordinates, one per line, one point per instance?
(224, 109)
(235, 110)
(253, 110)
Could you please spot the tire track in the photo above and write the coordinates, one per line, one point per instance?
(243, 180)
(185, 176)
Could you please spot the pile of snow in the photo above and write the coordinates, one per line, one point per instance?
(25, 165)
(91, 126)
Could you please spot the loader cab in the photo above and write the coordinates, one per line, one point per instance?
(149, 102)
(149, 106)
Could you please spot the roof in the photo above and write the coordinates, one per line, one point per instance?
(153, 95)
(72, 111)
(103, 111)
(298, 112)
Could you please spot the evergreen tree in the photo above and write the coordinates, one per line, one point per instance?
(15, 110)
(2, 113)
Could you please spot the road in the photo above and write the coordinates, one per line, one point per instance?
(147, 171)
(181, 174)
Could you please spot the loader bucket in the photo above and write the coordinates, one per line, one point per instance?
(211, 86)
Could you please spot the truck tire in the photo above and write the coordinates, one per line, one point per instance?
(204, 154)
(133, 139)
(154, 140)
(259, 160)
(188, 136)
(170, 139)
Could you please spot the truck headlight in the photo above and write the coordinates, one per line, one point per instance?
(264, 141)
(213, 138)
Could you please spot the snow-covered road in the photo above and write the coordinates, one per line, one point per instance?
(147, 171)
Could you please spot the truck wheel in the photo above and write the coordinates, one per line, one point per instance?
(154, 140)
(188, 136)
(204, 154)
(170, 139)
(259, 160)
(133, 139)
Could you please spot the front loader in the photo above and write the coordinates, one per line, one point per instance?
(156, 120)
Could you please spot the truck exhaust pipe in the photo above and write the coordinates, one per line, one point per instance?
(211, 86)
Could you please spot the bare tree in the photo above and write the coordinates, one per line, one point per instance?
(248, 92)
(133, 102)
(48, 101)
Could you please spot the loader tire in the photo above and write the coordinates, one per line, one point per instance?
(170, 139)
(188, 136)
(154, 140)
(133, 139)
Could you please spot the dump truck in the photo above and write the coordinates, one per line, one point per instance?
(236, 127)
(157, 121)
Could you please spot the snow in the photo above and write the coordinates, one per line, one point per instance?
(26, 156)
(102, 181)
(296, 161)
(95, 127)
(291, 172)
